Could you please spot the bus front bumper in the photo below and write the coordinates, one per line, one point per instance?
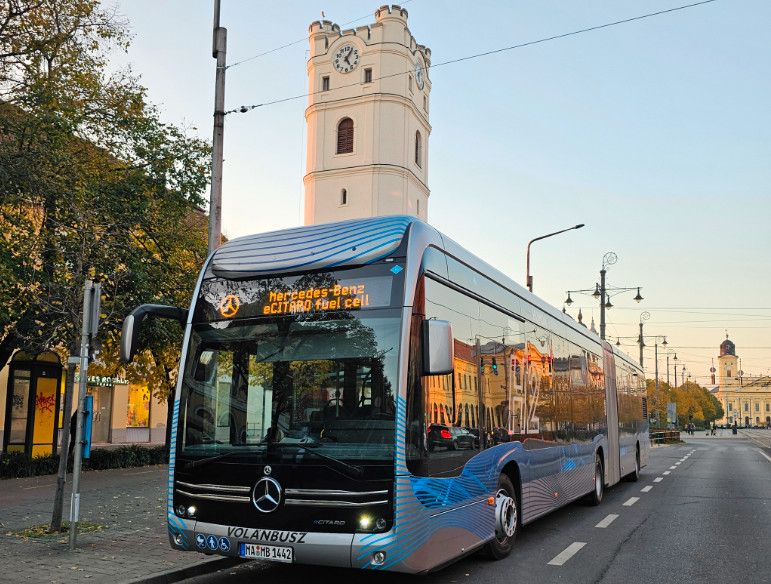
(323, 549)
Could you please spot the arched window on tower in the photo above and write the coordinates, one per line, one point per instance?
(345, 136)
(418, 149)
(344, 197)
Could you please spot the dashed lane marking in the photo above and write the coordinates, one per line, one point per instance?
(666, 472)
(672, 468)
(567, 553)
(607, 521)
(631, 501)
(765, 455)
(646, 489)
(678, 463)
(658, 479)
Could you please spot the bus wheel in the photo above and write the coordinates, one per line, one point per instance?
(506, 519)
(634, 476)
(598, 492)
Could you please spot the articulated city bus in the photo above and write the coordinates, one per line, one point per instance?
(369, 394)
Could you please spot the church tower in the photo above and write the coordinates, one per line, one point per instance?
(367, 120)
(727, 364)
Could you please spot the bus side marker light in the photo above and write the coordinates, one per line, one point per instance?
(378, 558)
(491, 501)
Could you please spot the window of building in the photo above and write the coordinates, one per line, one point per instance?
(138, 414)
(410, 83)
(757, 407)
(768, 407)
(367, 75)
(344, 197)
(325, 83)
(730, 407)
(746, 407)
(418, 148)
(728, 372)
(345, 136)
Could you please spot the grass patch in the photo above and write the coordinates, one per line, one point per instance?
(41, 531)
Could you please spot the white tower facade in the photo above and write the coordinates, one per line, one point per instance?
(367, 120)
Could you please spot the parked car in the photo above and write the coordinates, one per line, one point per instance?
(452, 438)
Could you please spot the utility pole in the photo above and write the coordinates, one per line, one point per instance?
(603, 271)
(642, 343)
(91, 304)
(668, 368)
(219, 50)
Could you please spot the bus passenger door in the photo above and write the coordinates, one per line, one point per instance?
(612, 465)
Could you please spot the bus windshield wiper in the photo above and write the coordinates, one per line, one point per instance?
(207, 460)
(351, 469)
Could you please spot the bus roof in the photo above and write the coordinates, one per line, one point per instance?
(356, 242)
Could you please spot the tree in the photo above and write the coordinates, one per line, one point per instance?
(92, 185)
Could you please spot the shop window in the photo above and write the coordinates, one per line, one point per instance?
(138, 414)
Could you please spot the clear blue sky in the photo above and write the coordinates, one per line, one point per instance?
(656, 134)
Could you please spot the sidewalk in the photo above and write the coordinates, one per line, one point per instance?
(129, 503)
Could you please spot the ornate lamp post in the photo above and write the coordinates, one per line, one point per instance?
(602, 292)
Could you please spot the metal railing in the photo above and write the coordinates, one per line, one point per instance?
(665, 436)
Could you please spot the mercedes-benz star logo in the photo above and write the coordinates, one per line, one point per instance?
(266, 495)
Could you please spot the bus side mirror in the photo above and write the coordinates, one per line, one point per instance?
(133, 323)
(437, 347)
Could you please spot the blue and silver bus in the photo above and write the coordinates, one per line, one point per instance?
(369, 394)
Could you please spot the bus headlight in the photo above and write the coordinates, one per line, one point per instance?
(365, 522)
(181, 510)
(191, 511)
(380, 524)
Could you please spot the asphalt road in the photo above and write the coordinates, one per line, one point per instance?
(701, 512)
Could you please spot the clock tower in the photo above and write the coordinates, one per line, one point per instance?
(367, 120)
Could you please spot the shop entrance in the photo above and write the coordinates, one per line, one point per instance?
(32, 405)
(100, 432)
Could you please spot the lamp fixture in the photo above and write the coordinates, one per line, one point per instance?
(568, 300)
(638, 298)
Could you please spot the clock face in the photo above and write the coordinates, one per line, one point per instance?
(346, 58)
(419, 75)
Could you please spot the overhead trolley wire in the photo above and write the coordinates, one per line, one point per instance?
(245, 108)
(298, 41)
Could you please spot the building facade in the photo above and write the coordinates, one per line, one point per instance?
(367, 120)
(746, 400)
(32, 414)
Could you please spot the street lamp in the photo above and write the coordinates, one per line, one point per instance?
(529, 278)
(641, 341)
(603, 293)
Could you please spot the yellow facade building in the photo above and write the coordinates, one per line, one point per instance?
(746, 400)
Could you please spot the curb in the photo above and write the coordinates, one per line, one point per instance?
(180, 574)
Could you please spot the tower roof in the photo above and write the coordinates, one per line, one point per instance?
(727, 347)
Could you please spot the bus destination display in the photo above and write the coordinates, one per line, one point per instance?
(351, 296)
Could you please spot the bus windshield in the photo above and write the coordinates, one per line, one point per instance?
(325, 382)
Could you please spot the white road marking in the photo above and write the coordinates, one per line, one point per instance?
(607, 521)
(678, 463)
(631, 501)
(646, 489)
(672, 468)
(567, 553)
(658, 480)
(765, 455)
(666, 472)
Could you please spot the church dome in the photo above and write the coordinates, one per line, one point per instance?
(727, 348)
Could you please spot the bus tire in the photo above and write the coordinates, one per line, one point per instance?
(598, 492)
(634, 476)
(507, 520)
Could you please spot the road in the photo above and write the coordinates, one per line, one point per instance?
(701, 512)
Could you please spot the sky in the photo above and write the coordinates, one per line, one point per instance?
(656, 134)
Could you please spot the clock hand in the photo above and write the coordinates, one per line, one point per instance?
(346, 59)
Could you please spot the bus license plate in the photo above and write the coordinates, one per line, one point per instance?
(272, 553)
